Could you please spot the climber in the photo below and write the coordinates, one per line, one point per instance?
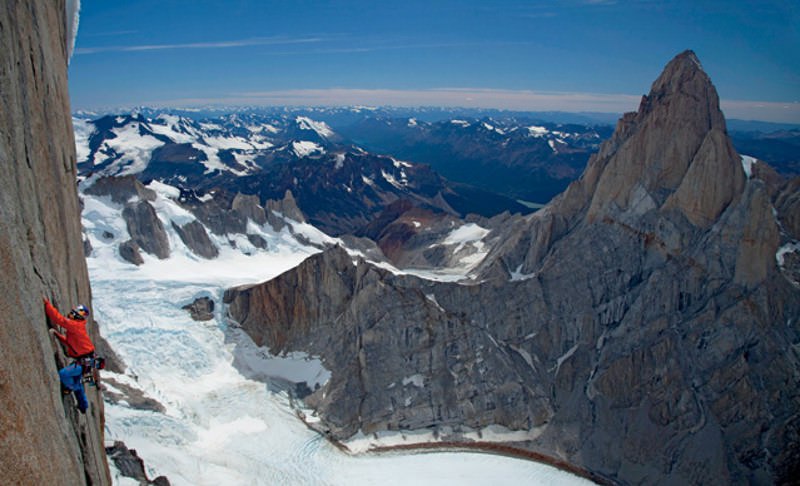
(79, 347)
(72, 378)
(76, 340)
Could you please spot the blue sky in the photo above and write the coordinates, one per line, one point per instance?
(571, 55)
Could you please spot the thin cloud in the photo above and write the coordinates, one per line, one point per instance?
(109, 34)
(515, 100)
(540, 15)
(446, 97)
(200, 45)
(411, 46)
(775, 111)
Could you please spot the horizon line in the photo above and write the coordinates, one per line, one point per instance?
(458, 98)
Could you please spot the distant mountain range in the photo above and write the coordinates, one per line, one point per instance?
(340, 116)
(339, 186)
(780, 148)
(522, 158)
(347, 165)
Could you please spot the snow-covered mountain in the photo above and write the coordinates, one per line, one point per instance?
(523, 158)
(340, 187)
(192, 149)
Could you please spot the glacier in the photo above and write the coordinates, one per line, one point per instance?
(227, 420)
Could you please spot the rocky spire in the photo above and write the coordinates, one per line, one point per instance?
(673, 153)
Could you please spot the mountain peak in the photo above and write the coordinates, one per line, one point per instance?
(686, 57)
(684, 77)
(673, 153)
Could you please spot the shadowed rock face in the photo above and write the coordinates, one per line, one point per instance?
(202, 309)
(193, 235)
(788, 204)
(651, 338)
(131, 465)
(129, 251)
(121, 189)
(146, 229)
(408, 235)
(43, 438)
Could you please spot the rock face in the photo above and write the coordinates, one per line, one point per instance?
(194, 235)
(788, 204)
(248, 206)
(378, 330)
(673, 153)
(44, 440)
(225, 213)
(146, 229)
(637, 327)
(408, 235)
(287, 207)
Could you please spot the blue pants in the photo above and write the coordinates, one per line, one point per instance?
(72, 378)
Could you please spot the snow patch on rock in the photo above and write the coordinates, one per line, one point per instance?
(747, 165)
(322, 128)
(790, 247)
(306, 148)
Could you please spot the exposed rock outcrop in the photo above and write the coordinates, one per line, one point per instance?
(287, 207)
(129, 251)
(377, 330)
(637, 327)
(194, 236)
(410, 236)
(132, 396)
(43, 438)
(131, 465)
(121, 189)
(249, 207)
(225, 213)
(664, 154)
(146, 229)
(202, 309)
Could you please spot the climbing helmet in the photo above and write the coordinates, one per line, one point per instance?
(80, 311)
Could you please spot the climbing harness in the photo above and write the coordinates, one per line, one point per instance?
(88, 366)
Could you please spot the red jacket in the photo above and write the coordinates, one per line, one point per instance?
(77, 339)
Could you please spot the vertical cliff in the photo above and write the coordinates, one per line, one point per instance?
(42, 437)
